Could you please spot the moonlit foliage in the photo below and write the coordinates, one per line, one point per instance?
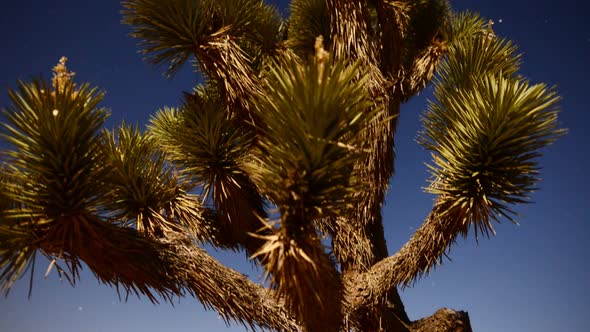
(284, 150)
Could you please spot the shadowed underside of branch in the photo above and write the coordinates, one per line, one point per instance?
(171, 266)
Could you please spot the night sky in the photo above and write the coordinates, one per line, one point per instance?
(532, 277)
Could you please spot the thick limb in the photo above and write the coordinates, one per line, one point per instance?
(170, 266)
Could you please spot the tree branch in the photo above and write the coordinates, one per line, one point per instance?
(421, 71)
(443, 320)
(223, 60)
(171, 266)
(416, 258)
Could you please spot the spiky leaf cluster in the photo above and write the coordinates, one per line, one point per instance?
(139, 180)
(464, 25)
(50, 171)
(312, 118)
(171, 32)
(54, 134)
(472, 57)
(210, 149)
(16, 252)
(208, 146)
(144, 188)
(485, 130)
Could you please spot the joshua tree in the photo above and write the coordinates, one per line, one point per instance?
(285, 151)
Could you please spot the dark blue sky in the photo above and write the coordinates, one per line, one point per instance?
(532, 277)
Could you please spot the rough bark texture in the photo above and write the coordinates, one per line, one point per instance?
(444, 320)
(358, 242)
(168, 267)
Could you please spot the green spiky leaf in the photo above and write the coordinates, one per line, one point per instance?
(312, 118)
(54, 135)
(485, 141)
(139, 177)
(202, 139)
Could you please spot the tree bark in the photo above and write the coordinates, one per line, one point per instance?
(168, 267)
(443, 320)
